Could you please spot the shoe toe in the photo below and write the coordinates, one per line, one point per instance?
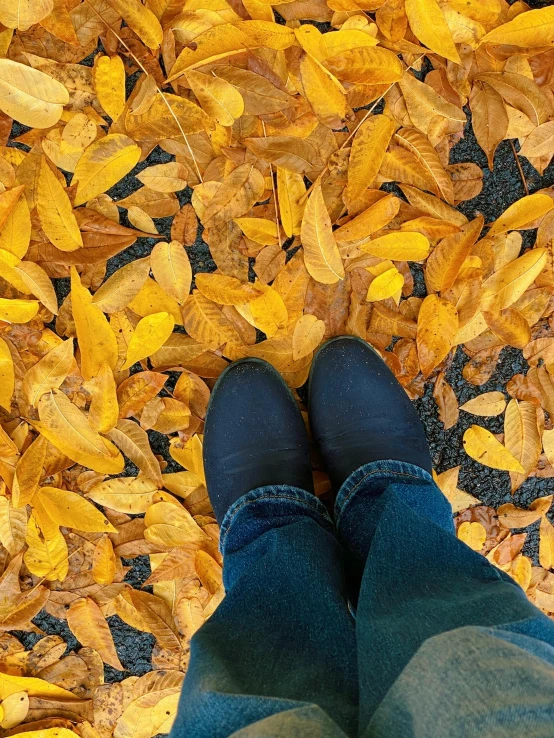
(359, 412)
(254, 434)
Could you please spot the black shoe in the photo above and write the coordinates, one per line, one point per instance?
(359, 412)
(254, 435)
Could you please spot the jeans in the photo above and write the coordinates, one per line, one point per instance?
(382, 624)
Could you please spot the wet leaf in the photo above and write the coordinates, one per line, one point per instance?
(89, 626)
(481, 445)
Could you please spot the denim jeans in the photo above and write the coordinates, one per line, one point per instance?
(382, 624)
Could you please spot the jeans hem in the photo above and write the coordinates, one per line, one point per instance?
(272, 494)
(387, 469)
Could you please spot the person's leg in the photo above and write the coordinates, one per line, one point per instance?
(419, 580)
(283, 639)
(411, 577)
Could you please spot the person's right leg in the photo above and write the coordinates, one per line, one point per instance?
(414, 578)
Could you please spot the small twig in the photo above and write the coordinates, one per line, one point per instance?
(516, 157)
(166, 101)
(274, 195)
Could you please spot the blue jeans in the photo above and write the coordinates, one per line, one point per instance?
(441, 643)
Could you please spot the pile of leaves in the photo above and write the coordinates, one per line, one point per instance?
(315, 166)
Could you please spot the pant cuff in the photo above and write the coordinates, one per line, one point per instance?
(378, 474)
(269, 507)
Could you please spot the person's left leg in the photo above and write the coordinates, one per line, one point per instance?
(282, 642)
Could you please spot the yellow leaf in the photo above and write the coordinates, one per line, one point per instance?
(218, 98)
(169, 177)
(509, 283)
(308, 334)
(55, 211)
(268, 312)
(154, 712)
(546, 544)
(531, 29)
(171, 525)
(49, 372)
(141, 20)
(548, 445)
(447, 258)
(385, 285)
(482, 446)
(522, 438)
(7, 376)
(15, 708)
(437, 325)
(38, 283)
(521, 571)
(236, 194)
(97, 342)
(8, 201)
(540, 142)
(131, 495)
(141, 220)
(366, 155)
(103, 411)
(489, 118)
(28, 472)
(226, 290)
(205, 322)
(30, 96)
(152, 299)
(291, 191)
(486, 405)
(15, 235)
(260, 230)
(103, 164)
(22, 14)
(448, 485)
(376, 216)
(46, 557)
(509, 326)
(65, 426)
(398, 246)
(109, 83)
(13, 523)
(189, 456)
(516, 517)
(365, 65)
(522, 213)
(104, 562)
(421, 147)
(426, 108)
(323, 92)
(18, 311)
(428, 23)
(172, 270)
(89, 626)
(150, 334)
(321, 254)
(231, 38)
(134, 443)
(472, 534)
(34, 688)
(123, 286)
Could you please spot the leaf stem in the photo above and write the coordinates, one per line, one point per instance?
(166, 101)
